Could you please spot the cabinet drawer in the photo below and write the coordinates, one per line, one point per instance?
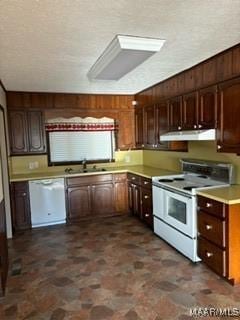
(134, 178)
(211, 228)
(146, 183)
(87, 180)
(214, 257)
(211, 206)
(120, 177)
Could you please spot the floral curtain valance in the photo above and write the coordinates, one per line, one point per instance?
(81, 124)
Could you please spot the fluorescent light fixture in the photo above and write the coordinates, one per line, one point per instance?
(122, 55)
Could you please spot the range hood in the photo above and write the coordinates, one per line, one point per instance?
(190, 135)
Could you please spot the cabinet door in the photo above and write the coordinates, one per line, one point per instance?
(228, 128)
(134, 199)
(146, 201)
(20, 206)
(120, 193)
(3, 249)
(36, 135)
(78, 203)
(175, 109)
(190, 105)
(149, 127)
(162, 123)
(126, 130)
(103, 199)
(139, 127)
(207, 108)
(18, 132)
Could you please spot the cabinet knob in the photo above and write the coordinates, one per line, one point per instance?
(208, 205)
(146, 197)
(145, 182)
(209, 254)
(156, 145)
(219, 147)
(195, 126)
(133, 178)
(199, 126)
(153, 145)
(24, 194)
(142, 145)
(146, 215)
(179, 128)
(208, 227)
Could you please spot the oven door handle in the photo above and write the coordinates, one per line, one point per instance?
(174, 191)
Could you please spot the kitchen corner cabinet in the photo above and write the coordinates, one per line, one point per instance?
(139, 127)
(20, 201)
(95, 196)
(126, 136)
(140, 198)
(228, 128)
(26, 132)
(219, 237)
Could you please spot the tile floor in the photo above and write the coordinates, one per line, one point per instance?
(115, 269)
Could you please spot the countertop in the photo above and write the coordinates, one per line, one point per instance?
(145, 171)
(228, 195)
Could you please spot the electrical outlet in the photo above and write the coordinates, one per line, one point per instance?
(31, 165)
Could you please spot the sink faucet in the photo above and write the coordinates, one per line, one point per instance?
(84, 163)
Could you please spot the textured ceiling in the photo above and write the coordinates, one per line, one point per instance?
(49, 45)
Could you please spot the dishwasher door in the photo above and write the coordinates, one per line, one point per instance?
(47, 202)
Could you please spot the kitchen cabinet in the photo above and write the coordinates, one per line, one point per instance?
(161, 124)
(21, 215)
(149, 137)
(126, 130)
(120, 193)
(228, 129)
(175, 114)
(218, 237)
(140, 198)
(89, 197)
(139, 128)
(207, 108)
(3, 250)
(189, 111)
(26, 132)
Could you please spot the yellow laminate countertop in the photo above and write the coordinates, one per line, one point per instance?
(145, 171)
(228, 195)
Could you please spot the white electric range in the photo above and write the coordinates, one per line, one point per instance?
(175, 204)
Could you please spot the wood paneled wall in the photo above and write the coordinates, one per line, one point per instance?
(223, 66)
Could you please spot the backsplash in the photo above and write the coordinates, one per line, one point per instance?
(197, 150)
(39, 163)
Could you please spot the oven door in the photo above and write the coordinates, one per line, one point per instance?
(179, 212)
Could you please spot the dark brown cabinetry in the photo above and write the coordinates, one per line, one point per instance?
(228, 128)
(126, 130)
(3, 250)
(149, 133)
(21, 216)
(139, 128)
(218, 237)
(140, 198)
(89, 197)
(207, 108)
(26, 131)
(175, 112)
(189, 111)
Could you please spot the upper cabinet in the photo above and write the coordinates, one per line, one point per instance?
(149, 127)
(161, 123)
(189, 111)
(207, 108)
(175, 114)
(26, 131)
(228, 128)
(139, 127)
(126, 130)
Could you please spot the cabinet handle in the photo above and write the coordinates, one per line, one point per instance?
(195, 126)
(146, 197)
(209, 254)
(219, 147)
(24, 194)
(179, 128)
(208, 227)
(199, 126)
(146, 215)
(208, 205)
(146, 182)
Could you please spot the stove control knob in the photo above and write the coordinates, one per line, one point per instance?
(208, 205)
(208, 227)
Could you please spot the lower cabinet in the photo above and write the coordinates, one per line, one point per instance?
(95, 196)
(20, 203)
(3, 250)
(140, 198)
(219, 237)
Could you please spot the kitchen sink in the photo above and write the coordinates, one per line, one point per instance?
(88, 170)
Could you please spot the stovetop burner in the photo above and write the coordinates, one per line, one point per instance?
(178, 179)
(189, 188)
(165, 180)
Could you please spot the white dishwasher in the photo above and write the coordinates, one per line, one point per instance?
(47, 202)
